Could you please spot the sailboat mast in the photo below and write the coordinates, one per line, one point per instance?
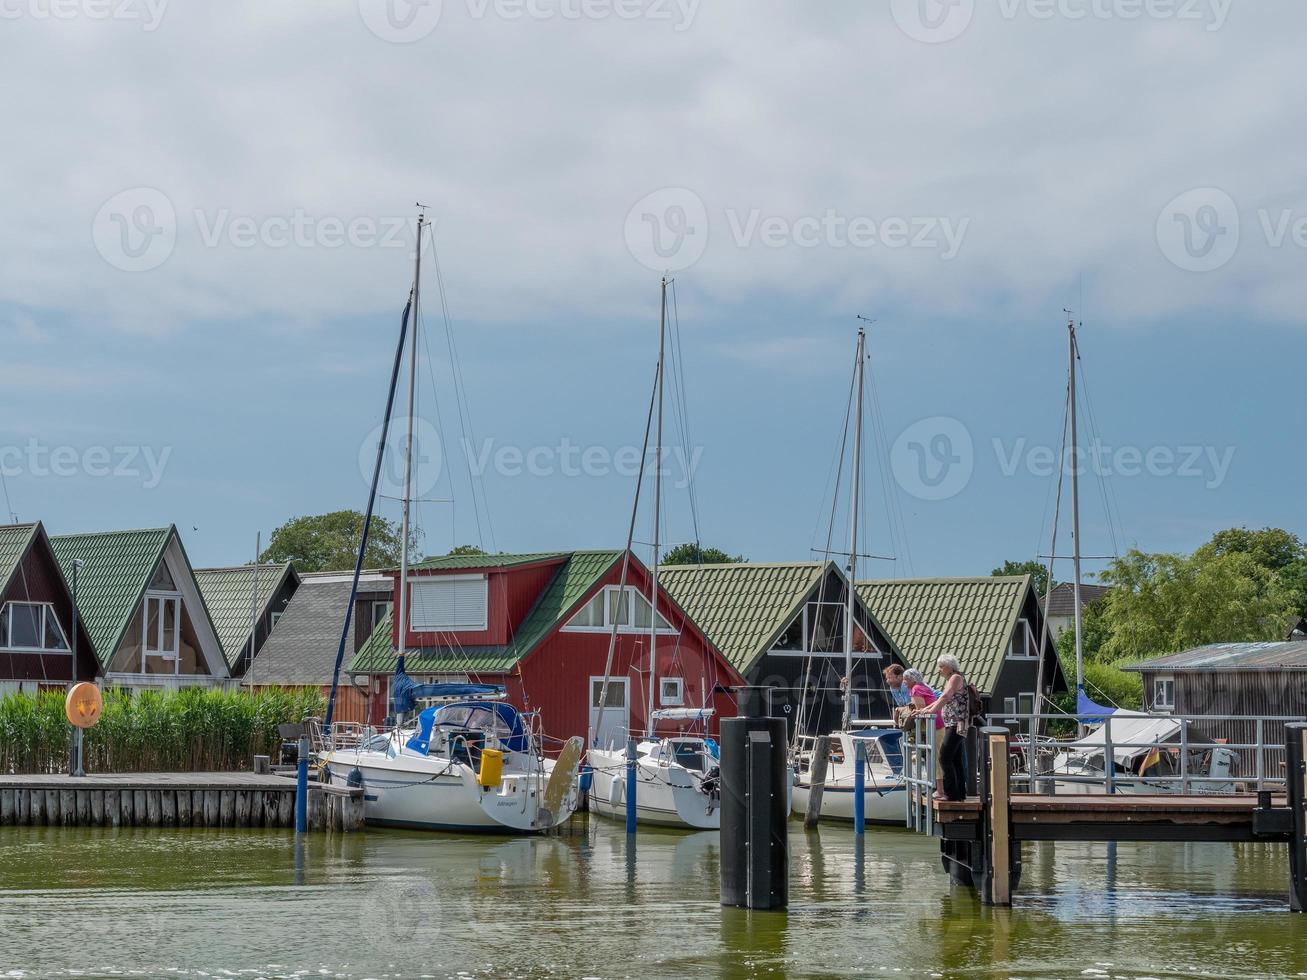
(853, 537)
(1075, 514)
(406, 503)
(657, 513)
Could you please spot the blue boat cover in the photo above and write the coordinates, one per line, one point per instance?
(1088, 710)
(404, 691)
(476, 715)
(891, 743)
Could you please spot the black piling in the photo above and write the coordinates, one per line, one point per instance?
(1296, 778)
(754, 809)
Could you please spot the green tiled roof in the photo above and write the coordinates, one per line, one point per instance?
(577, 576)
(227, 591)
(971, 618)
(488, 561)
(14, 542)
(110, 585)
(742, 608)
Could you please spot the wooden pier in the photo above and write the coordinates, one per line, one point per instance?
(169, 799)
(980, 839)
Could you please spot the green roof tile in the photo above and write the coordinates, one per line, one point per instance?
(488, 561)
(226, 593)
(15, 539)
(971, 618)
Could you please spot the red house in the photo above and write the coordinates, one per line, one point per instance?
(36, 617)
(541, 624)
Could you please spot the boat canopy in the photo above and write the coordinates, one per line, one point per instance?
(1141, 732)
(1089, 711)
(891, 744)
(490, 716)
(405, 692)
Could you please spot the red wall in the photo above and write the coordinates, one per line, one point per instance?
(38, 580)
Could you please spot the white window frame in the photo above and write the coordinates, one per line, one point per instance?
(273, 620)
(1009, 711)
(158, 652)
(1164, 682)
(873, 654)
(47, 610)
(676, 700)
(478, 627)
(571, 626)
(390, 609)
(1032, 648)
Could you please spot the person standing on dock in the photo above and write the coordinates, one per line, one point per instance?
(921, 698)
(952, 710)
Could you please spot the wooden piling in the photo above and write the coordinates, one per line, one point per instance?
(183, 808)
(227, 808)
(82, 807)
(817, 781)
(168, 807)
(112, 808)
(242, 808)
(1000, 820)
(153, 807)
(97, 807)
(67, 807)
(24, 806)
(8, 807)
(140, 807)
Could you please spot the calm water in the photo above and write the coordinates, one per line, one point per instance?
(393, 904)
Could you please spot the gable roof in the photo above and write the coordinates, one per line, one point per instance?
(1062, 600)
(577, 575)
(971, 618)
(117, 570)
(1280, 655)
(302, 649)
(15, 539)
(487, 561)
(227, 593)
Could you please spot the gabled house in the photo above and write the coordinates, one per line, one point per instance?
(36, 617)
(781, 626)
(239, 598)
(992, 624)
(301, 650)
(146, 617)
(1061, 604)
(541, 625)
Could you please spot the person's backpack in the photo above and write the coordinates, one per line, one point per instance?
(974, 707)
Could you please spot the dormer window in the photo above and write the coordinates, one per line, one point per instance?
(31, 626)
(819, 628)
(449, 603)
(632, 614)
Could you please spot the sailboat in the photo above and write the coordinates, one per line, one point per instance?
(676, 776)
(879, 744)
(468, 761)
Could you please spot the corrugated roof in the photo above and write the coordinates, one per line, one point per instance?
(575, 578)
(1279, 655)
(117, 570)
(15, 539)
(971, 618)
(1062, 601)
(227, 592)
(488, 561)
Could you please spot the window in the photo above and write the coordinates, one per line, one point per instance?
(380, 610)
(31, 626)
(162, 615)
(671, 692)
(1009, 708)
(273, 620)
(1026, 704)
(819, 628)
(1163, 693)
(632, 613)
(1022, 645)
(448, 602)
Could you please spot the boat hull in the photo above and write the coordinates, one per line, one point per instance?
(885, 805)
(665, 796)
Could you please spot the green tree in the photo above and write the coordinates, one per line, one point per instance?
(324, 542)
(1273, 548)
(692, 554)
(1037, 571)
(465, 550)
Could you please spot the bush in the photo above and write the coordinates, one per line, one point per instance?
(191, 730)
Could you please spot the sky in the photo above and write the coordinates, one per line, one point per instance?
(208, 224)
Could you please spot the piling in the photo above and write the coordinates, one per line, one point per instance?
(996, 860)
(817, 780)
(859, 787)
(1296, 778)
(302, 787)
(754, 809)
(631, 800)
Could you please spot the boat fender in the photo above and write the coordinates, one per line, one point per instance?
(492, 768)
(355, 778)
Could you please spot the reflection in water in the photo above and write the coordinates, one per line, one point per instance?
(591, 903)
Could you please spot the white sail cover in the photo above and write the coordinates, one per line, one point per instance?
(1139, 732)
(683, 714)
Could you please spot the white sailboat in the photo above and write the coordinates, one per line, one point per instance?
(675, 776)
(884, 784)
(469, 761)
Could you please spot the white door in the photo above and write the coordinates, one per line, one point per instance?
(610, 726)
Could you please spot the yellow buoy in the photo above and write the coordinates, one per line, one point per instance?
(492, 768)
(83, 704)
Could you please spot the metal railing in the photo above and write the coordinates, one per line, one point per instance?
(920, 750)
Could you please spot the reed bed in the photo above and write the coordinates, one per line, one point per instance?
(190, 730)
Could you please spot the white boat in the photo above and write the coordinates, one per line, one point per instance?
(884, 789)
(467, 765)
(677, 782)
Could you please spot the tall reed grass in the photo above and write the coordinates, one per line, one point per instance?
(191, 730)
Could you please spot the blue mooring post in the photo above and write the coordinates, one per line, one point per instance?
(302, 787)
(859, 786)
(630, 785)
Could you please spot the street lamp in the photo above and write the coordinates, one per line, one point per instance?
(75, 766)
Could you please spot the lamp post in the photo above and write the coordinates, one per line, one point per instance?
(75, 765)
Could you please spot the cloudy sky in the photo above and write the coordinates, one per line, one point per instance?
(208, 232)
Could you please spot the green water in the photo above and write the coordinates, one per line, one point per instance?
(391, 904)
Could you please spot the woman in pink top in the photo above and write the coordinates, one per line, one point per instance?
(922, 694)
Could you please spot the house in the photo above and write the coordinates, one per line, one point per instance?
(301, 650)
(36, 617)
(992, 624)
(781, 626)
(146, 617)
(541, 625)
(1240, 680)
(1299, 632)
(1061, 604)
(229, 594)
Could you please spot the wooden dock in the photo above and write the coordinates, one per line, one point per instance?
(171, 799)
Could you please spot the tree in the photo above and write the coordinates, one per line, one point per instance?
(692, 554)
(465, 550)
(325, 542)
(1274, 549)
(1037, 571)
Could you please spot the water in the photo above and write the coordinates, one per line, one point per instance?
(195, 903)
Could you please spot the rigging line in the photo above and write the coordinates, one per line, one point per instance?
(9, 507)
(896, 524)
(1052, 552)
(1111, 502)
(679, 393)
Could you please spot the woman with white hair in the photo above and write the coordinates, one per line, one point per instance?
(952, 710)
